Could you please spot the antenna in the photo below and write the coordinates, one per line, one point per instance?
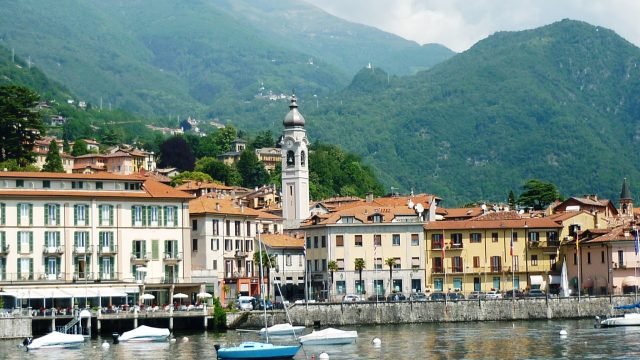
(410, 204)
(419, 208)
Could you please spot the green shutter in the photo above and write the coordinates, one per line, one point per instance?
(18, 250)
(144, 248)
(57, 265)
(145, 216)
(166, 273)
(19, 269)
(175, 216)
(46, 238)
(155, 249)
(110, 215)
(164, 218)
(133, 215)
(3, 217)
(86, 215)
(133, 247)
(76, 265)
(100, 268)
(58, 214)
(100, 215)
(2, 239)
(57, 238)
(31, 242)
(159, 215)
(30, 214)
(75, 214)
(19, 214)
(30, 269)
(166, 246)
(111, 241)
(112, 261)
(46, 214)
(75, 240)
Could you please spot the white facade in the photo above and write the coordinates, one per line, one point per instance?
(295, 168)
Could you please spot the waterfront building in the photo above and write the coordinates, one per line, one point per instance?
(295, 170)
(497, 250)
(288, 270)
(369, 231)
(224, 233)
(61, 232)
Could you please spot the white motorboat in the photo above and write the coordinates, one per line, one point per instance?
(282, 330)
(54, 340)
(630, 319)
(329, 336)
(145, 333)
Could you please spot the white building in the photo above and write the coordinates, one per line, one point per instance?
(288, 272)
(62, 231)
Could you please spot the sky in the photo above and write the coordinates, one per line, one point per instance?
(458, 24)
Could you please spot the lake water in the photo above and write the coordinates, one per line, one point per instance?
(481, 340)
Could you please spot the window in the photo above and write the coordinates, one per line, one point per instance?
(378, 286)
(288, 260)
(194, 224)
(238, 245)
(415, 240)
(215, 244)
(397, 285)
(302, 159)
(516, 263)
(308, 242)
(437, 265)
(456, 240)
(215, 265)
(237, 228)
(323, 241)
(602, 257)
(377, 240)
(77, 184)
(553, 261)
(52, 239)
(99, 185)
(194, 244)
(476, 261)
(340, 264)
(290, 158)
(588, 257)
(376, 218)
(514, 236)
(377, 264)
(395, 239)
(575, 259)
(25, 239)
(496, 264)
(315, 242)
(315, 265)
(228, 245)
(153, 215)
(46, 184)
(476, 237)
(436, 241)
(170, 216)
(105, 215)
(534, 236)
(106, 241)
(51, 214)
(216, 227)
(248, 245)
(552, 236)
(339, 240)
(620, 258)
(359, 285)
(358, 240)
(341, 287)
(25, 212)
(81, 215)
(19, 183)
(248, 228)
(397, 263)
(438, 284)
(534, 260)
(516, 282)
(228, 228)
(324, 264)
(456, 263)
(415, 263)
(457, 283)
(494, 237)
(496, 282)
(136, 215)
(347, 219)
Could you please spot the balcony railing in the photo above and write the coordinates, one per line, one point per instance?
(87, 275)
(437, 270)
(456, 269)
(241, 254)
(83, 249)
(108, 250)
(436, 245)
(4, 249)
(53, 249)
(548, 243)
(173, 255)
(496, 269)
(39, 276)
(140, 256)
(455, 246)
(109, 276)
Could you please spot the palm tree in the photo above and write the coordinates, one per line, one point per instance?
(359, 265)
(332, 266)
(390, 262)
(268, 260)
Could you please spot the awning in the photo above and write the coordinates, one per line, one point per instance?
(68, 292)
(587, 283)
(555, 279)
(629, 281)
(536, 279)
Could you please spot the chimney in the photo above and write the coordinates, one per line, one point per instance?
(369, 197)
(217, 206)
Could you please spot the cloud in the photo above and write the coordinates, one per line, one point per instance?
(458, 24)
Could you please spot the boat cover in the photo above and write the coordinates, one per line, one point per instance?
(627, 307)
(56, 338)
(144, 331)
(330, 336)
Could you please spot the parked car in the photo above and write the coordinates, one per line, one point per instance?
(509, 294)
(437, 296)
(418, 296)
(245, 303)
(351, 298)
(477, 295)
(493, 295)
(262, 304)
(455, 296)
(396, 297)
(536, 293)
(378, 297)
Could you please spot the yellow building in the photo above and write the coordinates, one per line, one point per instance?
(497, 250)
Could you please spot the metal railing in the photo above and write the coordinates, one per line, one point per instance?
(53, 249)
(4, 249)
(172, 255)
(83, 249)
(105, 250)
(137, 255)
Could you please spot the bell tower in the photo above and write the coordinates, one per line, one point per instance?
(295, 168)
(626, 200)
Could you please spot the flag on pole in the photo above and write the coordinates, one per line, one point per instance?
(511, 245)
(636, 240)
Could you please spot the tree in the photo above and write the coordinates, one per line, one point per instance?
(511, 200)
(218, 170)
(267, 261)
(360, 265)
(53, 161)
(219, 315)
(175, 152)
(20, 124)
(66, 148)
(190, 175)
(252, 170)
(80, 148)
(538, 194)
(12, 165)
(390, 262)
(263, 139)
(225, 136)
(333, 267)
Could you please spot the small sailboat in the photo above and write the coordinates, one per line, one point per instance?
(145, 333)
(255, 349)
(329, 336)
(282, 330)
(628, 319)
(54, 340)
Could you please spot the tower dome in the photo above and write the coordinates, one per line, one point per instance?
(293, 117)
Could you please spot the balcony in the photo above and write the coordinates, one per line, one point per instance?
(241, 254)
(456, 269)
(496, 269)
(436, 245)
(53, 250)
(454, 246)
(437, 270)
(4, 249)
(108, 250)
(140, 258)
(544, 244)
(108, 276)
(55, 276)
(172, 257)
(83, 276)
(79, 250)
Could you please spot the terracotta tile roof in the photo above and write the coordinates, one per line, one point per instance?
(196, 185)
(282, 241)
(566, 215)
(50, 175)
(226, 206)
(462, 212)
(90, 156)
(363, 213)
(505, 220)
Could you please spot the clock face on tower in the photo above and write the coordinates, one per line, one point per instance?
(288, 143)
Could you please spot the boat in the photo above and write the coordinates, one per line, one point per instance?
(627, 319)
(144, 333)
(329, 336)
(255, 349)
(54, 340)
(282, 330)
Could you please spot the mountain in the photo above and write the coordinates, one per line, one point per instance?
(197, 57)
(558, 103)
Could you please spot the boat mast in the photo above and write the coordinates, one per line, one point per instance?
(264, 307)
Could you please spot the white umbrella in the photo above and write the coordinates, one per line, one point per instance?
(204, 295)
(180, 296)
(147, 297)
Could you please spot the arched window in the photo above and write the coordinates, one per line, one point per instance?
(303, 160)
(290, 158)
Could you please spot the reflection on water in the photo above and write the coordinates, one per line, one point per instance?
(486, 340)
